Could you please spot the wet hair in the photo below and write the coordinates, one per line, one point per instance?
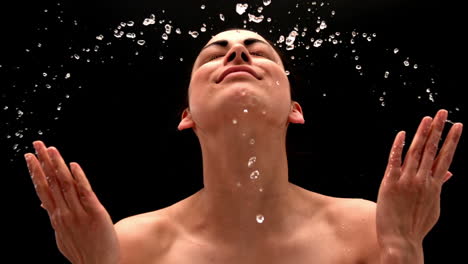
(285, 60)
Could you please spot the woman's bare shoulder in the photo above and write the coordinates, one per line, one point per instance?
(145, 236)
(354, 223)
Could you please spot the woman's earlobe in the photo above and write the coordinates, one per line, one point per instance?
(296, 116)
(186, 121)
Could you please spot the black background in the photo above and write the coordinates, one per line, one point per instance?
(119, 111)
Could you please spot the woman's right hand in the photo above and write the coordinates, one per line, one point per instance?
(84, 230)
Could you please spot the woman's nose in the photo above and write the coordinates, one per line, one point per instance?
(238, 55)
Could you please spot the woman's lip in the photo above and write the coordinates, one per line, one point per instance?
(234, 69)
(241, 72)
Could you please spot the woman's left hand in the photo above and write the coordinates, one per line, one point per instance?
(408, 204)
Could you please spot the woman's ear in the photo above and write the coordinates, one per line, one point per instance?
(295, 115)
(186, 120)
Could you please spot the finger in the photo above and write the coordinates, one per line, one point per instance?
(65, 179)
(413, 155)
(445, 157)
(447, 176)
(87, 197)
(49, 171)
(393, 171)
(40, 182)
(432, 144)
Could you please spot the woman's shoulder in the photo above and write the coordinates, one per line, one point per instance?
(353, 222)
(145, 236)
(338, 208)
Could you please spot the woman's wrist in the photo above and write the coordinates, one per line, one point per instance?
(402, 252)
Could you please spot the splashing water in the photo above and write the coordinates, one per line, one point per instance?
(254, 175)
(260, 218)
(241, 8)
(251, 162)
(311, 26)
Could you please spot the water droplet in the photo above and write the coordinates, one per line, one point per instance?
(251, 162)
(100, 37)
(266, 2)
(161, 57)
(287, 73)
(149, 21)
(386, 74)
(76, 56)
(252, 141)
(168, 28)
(396, 50)
(323, 25)
(202, 6)
(318, 43)
(256, 19)
(406, 63)
(260, 218)
(234, 121)
(239, 184)
(240, 8)
(358, 67)
(67, 76)
(39, 132)
(44, 74)
(254, 175)
(246, 111)
(260, 190)
(164, 36)
(48, 86)
(291, 38)
(415, 66)
(141, 42)
(277, 83)
(221, 16)
(281, 39)
(194, 34)
(130, 23)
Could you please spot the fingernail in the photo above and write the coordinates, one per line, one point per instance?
(51, 152)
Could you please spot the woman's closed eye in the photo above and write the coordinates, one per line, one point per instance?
(214, 57)
(257, 54)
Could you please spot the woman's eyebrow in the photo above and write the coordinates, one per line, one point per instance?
(247, 42)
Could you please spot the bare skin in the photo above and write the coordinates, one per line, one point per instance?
(218, 224)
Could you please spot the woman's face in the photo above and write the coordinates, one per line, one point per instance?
(237, 70)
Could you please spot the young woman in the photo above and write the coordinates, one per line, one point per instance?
(248, 212)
